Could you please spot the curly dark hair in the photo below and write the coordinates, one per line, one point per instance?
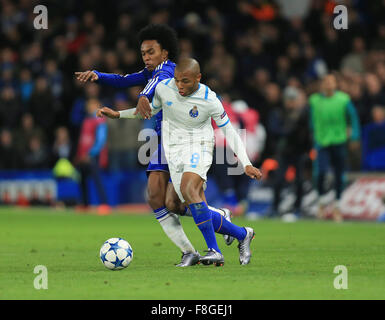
(165, 35)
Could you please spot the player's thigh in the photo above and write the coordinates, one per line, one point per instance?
(176, 172)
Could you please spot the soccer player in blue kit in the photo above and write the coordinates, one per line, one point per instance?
(188, 141)
(158, 45)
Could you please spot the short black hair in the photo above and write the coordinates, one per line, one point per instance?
(165, 35)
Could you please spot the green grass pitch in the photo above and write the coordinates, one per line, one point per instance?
(290, 261)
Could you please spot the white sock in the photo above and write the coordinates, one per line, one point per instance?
(174, 230)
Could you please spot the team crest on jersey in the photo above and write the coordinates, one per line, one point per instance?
(194, 112)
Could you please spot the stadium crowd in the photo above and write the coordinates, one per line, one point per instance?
(263, 53)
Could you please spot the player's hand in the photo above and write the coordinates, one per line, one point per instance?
(108, 112)
(86, 76)
(143, 107)
(253, 172)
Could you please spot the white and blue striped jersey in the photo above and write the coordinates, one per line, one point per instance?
(187, 119)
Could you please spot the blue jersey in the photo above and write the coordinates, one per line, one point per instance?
(149, 79)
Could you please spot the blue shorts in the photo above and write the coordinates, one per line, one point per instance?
(158, 161)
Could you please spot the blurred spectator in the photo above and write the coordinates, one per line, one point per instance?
(32, 58)
(26, 86)
(27, 130)
(293, 145)
(373, 142)
(378, 114)
(123, 153)
(10, 108)
(233, 184)
(354, 61)
(374, 93)
(330, 111)
(8, 79)
(79, 112)
(315, 66)
(10, 158)
(92, 155)
(62, 147)
(37, 156)
(270, 117)
(331, 49)
(54, 78)
(42, 105)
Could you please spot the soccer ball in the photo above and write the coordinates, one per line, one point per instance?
(116, 253)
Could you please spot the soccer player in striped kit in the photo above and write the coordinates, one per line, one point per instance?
(158, 45)
(188, 141)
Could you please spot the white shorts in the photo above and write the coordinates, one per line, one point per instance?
(196, 158)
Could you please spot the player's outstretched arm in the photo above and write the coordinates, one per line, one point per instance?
(112, 79)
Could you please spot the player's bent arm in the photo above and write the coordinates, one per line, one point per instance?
(235, 142)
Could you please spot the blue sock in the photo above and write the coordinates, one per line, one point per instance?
(222, 226)
(161, 213)
(202, 216)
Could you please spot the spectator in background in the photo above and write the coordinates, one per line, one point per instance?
(62, 147)
(32, 58)
(374, 93)
(293, 145)
(230, 180)
(54, 78)
(27, 130)
(123, 153)
(330, 111)
(42, 105)
(354, 61)
(316, 67)
(271, 117)
(37, 156)
(378, 114)
(78, 110)
(373, 142)
(10, 108)
(8, 79)
(26, 86)
(9, 157)
(92, 155)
